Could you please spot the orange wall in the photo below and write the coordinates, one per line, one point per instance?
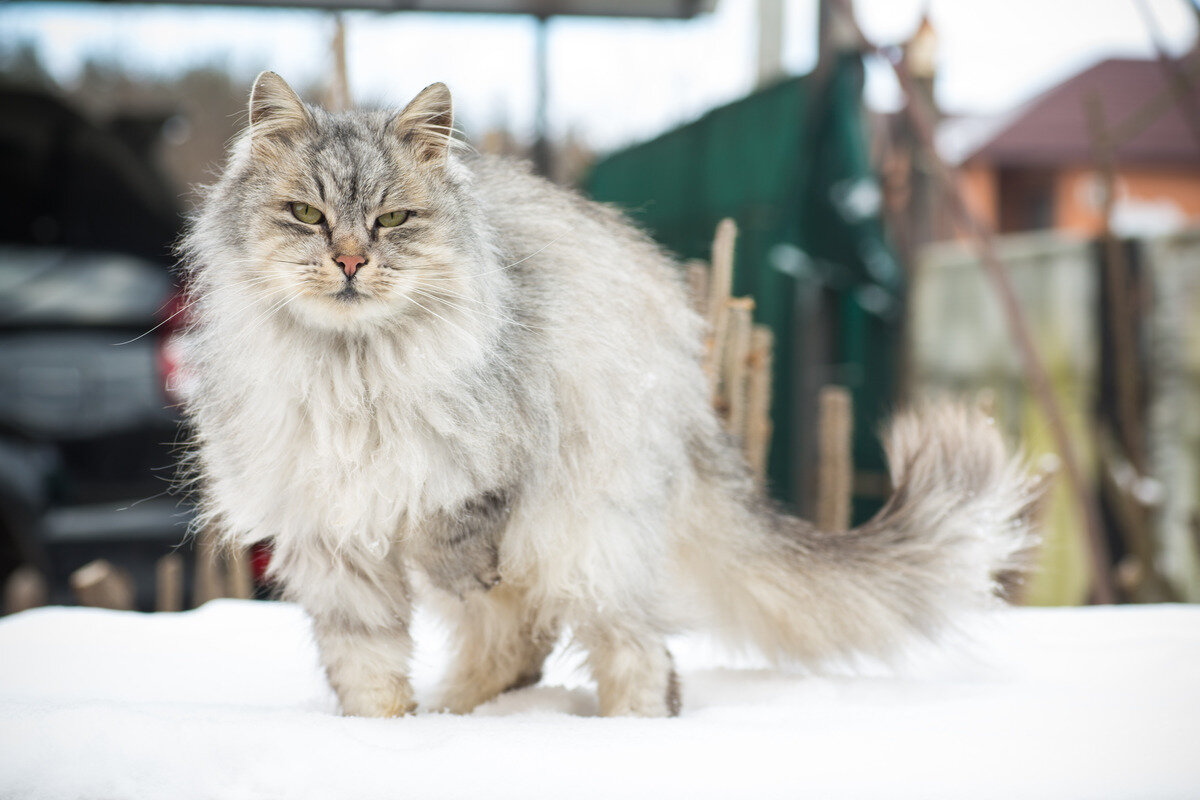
(1078, 199)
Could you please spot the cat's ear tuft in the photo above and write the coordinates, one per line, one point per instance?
(274, 108)
(427, 123)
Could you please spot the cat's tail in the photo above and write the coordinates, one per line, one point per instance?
(956, 527)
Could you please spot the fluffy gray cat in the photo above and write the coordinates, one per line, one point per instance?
(420, 365)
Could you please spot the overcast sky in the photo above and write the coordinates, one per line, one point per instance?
(613, 81)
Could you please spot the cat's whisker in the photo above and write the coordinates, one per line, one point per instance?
(252, 326)
(455, 326)
(504, 320)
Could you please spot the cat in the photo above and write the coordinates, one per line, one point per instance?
(420, 367)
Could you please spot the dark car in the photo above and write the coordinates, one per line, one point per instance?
(88, 318)
(88, 433)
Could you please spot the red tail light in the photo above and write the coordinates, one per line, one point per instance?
(171, 349)
(260, 562)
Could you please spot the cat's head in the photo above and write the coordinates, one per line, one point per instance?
(344, 220)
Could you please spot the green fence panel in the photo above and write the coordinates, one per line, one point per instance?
(790, 165)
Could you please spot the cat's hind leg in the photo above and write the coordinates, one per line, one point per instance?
(501, 646)
(634, 672)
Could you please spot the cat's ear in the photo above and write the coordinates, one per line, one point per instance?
(274, 108)
(427, 123)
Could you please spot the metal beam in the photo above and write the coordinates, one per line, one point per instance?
(649, 9)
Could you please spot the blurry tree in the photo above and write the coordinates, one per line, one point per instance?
(21, 66)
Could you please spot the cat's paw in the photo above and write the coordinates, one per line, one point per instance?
(393, 699)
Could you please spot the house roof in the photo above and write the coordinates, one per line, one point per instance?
(1054, 129)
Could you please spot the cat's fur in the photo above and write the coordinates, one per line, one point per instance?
(513, 405)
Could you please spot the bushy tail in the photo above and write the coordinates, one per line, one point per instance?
(957, 525)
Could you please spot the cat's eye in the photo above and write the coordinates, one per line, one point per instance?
(306, 213)
(392, 219)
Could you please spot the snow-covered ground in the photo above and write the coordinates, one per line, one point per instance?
(228, 701)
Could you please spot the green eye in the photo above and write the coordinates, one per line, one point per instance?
(306, 213)
(392, 219)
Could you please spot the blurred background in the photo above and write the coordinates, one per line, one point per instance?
(995, 200)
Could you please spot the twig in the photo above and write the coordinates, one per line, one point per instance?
(25, 589)
(697, 280)
(168, 587)
(719, 288)
(757, 441)
(1035, 371)
(737, 353)
(102, 585)
(1185, 96)
(836, 469)
(210, 582)
(241, 581)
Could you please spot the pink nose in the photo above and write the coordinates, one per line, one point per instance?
(350, 264)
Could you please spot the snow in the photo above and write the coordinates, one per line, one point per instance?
(228, 701)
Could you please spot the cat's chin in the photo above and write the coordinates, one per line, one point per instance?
(346, 310)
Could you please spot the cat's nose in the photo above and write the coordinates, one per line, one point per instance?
(350, 264)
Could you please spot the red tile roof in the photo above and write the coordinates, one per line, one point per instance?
(1053, 128)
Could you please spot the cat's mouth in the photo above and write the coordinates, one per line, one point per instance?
(349, 294)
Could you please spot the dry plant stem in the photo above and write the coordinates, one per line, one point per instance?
(168, 587)
(737, 354)
(720, 286)
(101, 585)
(210, 583)
(1035, 372)
(836, 470)
(758, 401)
(25, 589)
(1177, 77)
(241, 581)
(697, 279)
(1155, 107)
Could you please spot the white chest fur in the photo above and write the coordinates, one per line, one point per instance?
(343, 443)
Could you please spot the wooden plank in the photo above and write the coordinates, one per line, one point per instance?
(25, 588)
(101, 585)
(836, 468)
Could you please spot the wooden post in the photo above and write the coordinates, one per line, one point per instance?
(26, 588)
(101, 585)
(758, 401)
(737, 354)
(719, 288)
(209, 583)
(836, 471)
(168, 587)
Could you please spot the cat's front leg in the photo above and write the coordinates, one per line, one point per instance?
(360, 606)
